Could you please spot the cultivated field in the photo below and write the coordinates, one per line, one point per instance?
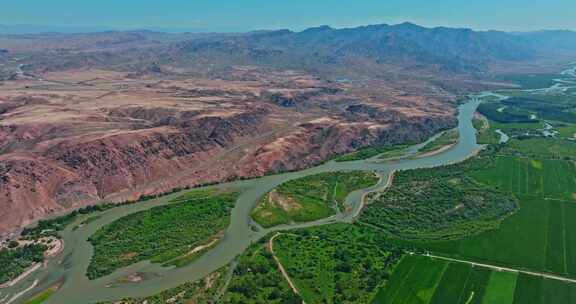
(423, 280)
(536, 177)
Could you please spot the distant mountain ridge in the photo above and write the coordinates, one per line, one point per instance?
(406, 44)
(370, 50)
(35, 29)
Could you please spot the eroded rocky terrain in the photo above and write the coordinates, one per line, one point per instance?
(81, 136)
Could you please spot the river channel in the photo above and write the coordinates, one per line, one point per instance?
(69, 267)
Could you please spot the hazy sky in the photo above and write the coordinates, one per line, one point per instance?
(241, 15)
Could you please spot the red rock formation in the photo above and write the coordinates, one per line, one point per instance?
(68, 145)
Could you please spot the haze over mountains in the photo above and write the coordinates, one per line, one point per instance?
(114, 115)
(406, 45)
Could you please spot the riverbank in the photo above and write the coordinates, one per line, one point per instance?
(22, 276)
(437, 151)
(238, 236)
(363, 199)
(21, 293)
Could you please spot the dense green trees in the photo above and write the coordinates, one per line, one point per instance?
(439, 203)
(369, 152)
(257, 280)
(497, 112)
(544, 109)
(160, 234)
(532, 81)
(51, 227)
(336, 263)
(15, 260)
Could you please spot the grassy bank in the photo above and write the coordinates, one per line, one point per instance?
(310, 198)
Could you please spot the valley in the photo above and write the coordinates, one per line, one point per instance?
(246, 183)
(238, 234)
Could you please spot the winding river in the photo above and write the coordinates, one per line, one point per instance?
(69, 267)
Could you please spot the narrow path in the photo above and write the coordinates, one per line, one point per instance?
(501, 268)
(282, 270)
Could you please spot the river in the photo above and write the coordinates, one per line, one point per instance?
(70, 266)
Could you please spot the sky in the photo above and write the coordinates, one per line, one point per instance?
(245, 15)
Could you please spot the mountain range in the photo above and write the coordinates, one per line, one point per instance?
(318, 49)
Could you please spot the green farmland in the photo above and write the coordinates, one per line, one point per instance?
(542, 148)
(535, 177)
(414, 281)
(538, 237)
(538, 290)
(423, 280)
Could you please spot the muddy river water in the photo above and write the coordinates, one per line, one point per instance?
(69, 267)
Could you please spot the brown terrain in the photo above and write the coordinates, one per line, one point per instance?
(82, 136)
(103, 117)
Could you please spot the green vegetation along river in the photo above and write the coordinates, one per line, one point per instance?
(69, 267)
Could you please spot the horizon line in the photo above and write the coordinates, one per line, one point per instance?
(85, 29)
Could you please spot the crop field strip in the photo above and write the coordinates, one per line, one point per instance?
(570, 235)
(555, 241)
(463, 283)
(538, 290)
(549, 178)
(500, 288)
(415, 282)
(452, 284)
